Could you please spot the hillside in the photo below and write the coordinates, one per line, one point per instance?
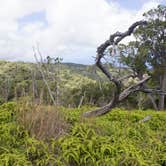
(68, 82)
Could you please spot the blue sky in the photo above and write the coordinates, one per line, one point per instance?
(130, 4)
(68, 29)
(33, 17)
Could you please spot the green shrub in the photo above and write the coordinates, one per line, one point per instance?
(115, 139)
(84, 147)
(16, 147)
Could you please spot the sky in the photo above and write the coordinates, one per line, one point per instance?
(70, 29)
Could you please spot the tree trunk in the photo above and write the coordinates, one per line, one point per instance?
(153, 102)
(81, 100)
(162, 88)
(140, 75)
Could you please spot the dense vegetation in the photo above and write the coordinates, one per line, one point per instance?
(18, 79)
(73, 83)
(117, 138)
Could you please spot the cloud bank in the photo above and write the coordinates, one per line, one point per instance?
(69, 29)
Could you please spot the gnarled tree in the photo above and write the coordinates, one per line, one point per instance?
(119, 93)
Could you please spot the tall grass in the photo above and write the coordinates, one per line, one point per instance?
(42, 122)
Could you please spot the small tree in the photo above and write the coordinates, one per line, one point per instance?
(153, 41)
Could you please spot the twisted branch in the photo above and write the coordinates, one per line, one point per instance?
(118, 95)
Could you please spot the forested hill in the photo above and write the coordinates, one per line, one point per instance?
(6, 66)
(10, 68)
(68, 82)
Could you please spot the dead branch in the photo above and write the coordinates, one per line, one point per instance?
(147, 118)
(154, 91)
(39, 65)
(133, 88)
(118, 95)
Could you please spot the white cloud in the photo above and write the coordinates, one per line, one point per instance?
(75, 27)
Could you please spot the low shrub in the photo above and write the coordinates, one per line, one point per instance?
(116, 138)
(17, 148)
(85, 147)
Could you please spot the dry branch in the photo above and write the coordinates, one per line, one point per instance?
(39, 65)
(147, 118)
(118, 95)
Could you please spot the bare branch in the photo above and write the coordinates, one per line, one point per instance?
(133, 88)
(147, 118)
(43, 76)
(153, 91)
(118, 95)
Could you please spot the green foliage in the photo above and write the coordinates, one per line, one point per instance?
(16, 147)
(134, 55)
(73, 81)
(83, 147)
(147, 53)
(116, 138)
(37, 152)
(152, 36)
(11, 138)
(74, 115)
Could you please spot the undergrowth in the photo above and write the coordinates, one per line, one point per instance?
(115, 139)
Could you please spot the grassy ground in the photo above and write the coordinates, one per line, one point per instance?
(43, 136)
